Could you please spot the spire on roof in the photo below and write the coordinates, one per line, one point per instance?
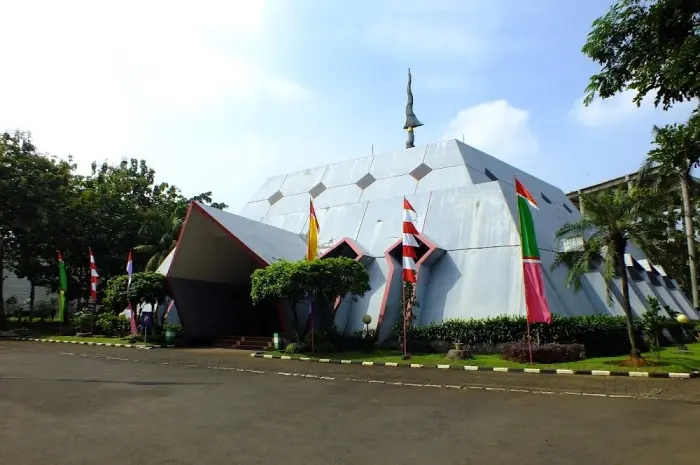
(411, 119)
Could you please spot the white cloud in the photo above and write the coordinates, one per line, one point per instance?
(621, 109)
(498, 129)
(95, 79)
(617, 109)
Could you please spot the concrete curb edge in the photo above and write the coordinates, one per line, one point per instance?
(538, 371)
(90, 343)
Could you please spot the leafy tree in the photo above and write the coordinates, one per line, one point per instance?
(330, 281)
(166, 229)
(146, 288)
(611, 220)
(652, 324)
(676, 153)
(647, 46)
(664, 243)
(115, 297)
(46, 207)
(31, 190)
(279, 281)
(324, 280)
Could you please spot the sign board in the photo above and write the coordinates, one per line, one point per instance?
(147, 319)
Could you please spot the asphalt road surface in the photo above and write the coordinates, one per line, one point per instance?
(64, 404)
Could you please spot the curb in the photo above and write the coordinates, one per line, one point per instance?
(87, 343)
(536, 371)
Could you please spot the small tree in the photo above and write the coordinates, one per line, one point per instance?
(146, 288)
(277, 282)
(653, 324)
(325, 281)
(330, 281)
(115, 298)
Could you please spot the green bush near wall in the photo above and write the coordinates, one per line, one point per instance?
(602, 335)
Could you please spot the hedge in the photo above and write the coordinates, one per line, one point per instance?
(543, 353)
(601, 335)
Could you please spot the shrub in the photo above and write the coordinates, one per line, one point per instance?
(295, 348)
(543, 353)
(107, 323)
(652, 325)
(363, 340)
(81, 319)
(602, 335)
(177, 329)
(123, 324)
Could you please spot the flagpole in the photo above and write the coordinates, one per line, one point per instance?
(404, 316)
(529, 339)
(61, 304)
(311, 315)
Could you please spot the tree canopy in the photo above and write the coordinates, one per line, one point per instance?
(610, 222)
(649, 46)
(322, 280)
(47, 206)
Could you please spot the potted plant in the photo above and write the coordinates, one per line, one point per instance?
(459, 345)
(171, 332)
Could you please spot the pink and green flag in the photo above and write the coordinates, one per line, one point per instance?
(535, 297)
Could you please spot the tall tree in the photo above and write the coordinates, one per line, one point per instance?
(676, 153)
(664, 243)
(31, 187)
(649, 46)
(164, 228)
(611, 220)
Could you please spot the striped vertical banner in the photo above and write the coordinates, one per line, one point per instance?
(409, 242)
(93, 277)
(409, 256)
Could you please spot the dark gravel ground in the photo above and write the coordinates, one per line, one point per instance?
(67, 404)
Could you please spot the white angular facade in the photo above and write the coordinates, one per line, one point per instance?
(469, 265)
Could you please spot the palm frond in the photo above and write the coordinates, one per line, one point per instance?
(145, 249)
(154, 262)
(579, 228)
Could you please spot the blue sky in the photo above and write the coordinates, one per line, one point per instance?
(218, 95)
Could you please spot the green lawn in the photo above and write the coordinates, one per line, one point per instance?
(671, 360)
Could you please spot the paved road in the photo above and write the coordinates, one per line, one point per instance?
(86, 408)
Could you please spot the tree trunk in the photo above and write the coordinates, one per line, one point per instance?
(626, 304)
(32, 293)
(295, 317)
(690, 239)
(2, 285)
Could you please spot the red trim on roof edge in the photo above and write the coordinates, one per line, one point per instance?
(248, 250)
(360, 256)
(179, 238)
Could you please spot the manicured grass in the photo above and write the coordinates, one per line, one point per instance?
(670, 360)
(104, 339)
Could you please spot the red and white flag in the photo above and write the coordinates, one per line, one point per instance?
(93, 277)
(409, 242)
